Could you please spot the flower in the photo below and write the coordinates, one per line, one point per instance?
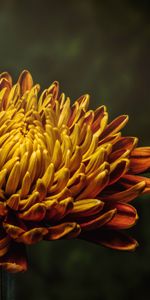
(65, 172)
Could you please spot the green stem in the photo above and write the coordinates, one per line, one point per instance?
(7, 288)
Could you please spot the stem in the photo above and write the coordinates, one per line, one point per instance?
(6, 286)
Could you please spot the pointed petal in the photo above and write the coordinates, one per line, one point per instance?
(141, 152)
(98, 115)
(139, 165)
(98, 221)
(115, 126)
(95, 186)
(118, 169)
(111, 239)
(26, 81)
(62, 230)
(126, 143)
(5, 84)
(121, 153)
(126, 195)
(125, 217)
(140, 160)
(54, 90)
(86, 207)
(129, 180)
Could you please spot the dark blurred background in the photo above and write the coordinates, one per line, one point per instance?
(101, 48)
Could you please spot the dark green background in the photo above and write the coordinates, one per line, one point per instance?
(100, 48)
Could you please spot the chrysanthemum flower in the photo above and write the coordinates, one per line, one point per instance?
(65, 172)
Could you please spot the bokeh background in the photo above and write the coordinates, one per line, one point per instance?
(100, 48)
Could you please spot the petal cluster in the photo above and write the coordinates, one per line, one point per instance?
(65, 171)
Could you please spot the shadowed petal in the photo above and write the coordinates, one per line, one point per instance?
(32, 236)
(125, 143)
(129, 180)
(3, 210)
(126, 195)
(62, 230)
(99, 221)
(57, 210)
(95, 186)
(35, 213)
(15, 260)
(111, 239)
(98, 115)
(121, 153)
(4, 242)
(115, 126)
(120, 167)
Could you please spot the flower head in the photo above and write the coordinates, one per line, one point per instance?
(65, 172)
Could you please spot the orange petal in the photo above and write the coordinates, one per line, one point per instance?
(129, 180)
(110, 139)
(120, 168)
(139, 165)
(111, 239)
(95, 186)
(126, 195)
(118, 154)
(141, 152)
(15, 260)
(127, 143)
(3, 210)
(98, 221)
(62, 230)
(115, 126)
(26, 81)
(125, 217)
(140, 160)
(98, 115)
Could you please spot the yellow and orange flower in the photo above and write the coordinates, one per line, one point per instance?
(65, 172)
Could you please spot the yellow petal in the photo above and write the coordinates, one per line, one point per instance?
(13, 179)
